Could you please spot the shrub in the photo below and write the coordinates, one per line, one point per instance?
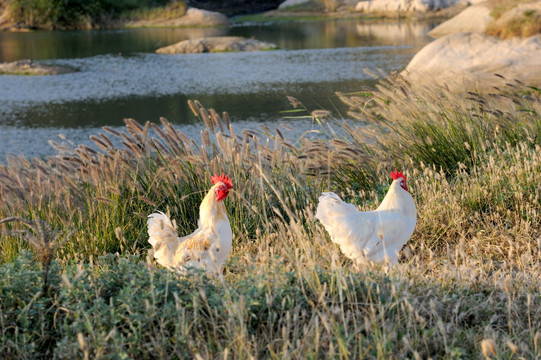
(53, 14)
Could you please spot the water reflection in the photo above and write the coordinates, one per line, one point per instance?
(394, 33)
(41, 45)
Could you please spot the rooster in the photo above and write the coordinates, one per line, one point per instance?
(374, 236)
(206, 248)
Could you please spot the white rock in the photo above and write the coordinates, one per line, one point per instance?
(404, 6)
(216, 44)
(474, 18)
(193, 17)
(468, 61)
(204, 17)
(289, 3)
(29, 67)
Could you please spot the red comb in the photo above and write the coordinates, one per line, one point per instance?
(396, 174)
(222, 178)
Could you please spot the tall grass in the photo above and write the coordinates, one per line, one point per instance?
(434, 126)
(95, 191)
(466, 286)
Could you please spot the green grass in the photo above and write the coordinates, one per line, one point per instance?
(78, 14)
(499, 7)
(467, 283)
(21, 73)
(168, 11)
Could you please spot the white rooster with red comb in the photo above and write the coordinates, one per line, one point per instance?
(208, 246)
(372, 236)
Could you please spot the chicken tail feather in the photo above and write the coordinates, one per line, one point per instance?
(343, 223)
(163, 238)
(330, 210)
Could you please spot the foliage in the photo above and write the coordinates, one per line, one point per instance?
(431, 125)
(105, 195)
(499, 7)
(526, 24)
(143, 312)
(54, 14)
(508, 22)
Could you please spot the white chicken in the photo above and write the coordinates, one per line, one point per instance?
(372, 236)
(208, 246)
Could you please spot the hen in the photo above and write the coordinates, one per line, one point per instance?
(207, 247)
(373, 236)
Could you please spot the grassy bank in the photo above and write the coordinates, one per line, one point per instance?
(467, 283)
(75, 14)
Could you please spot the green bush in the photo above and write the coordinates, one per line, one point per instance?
(120, 308)
(54, 14)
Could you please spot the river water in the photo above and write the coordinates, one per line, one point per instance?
(119, 75)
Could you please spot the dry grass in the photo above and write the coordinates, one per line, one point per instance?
(466, 286)
(510, 22)
(172, 10)
(499, 7)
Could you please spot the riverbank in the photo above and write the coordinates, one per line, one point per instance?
(178, 13)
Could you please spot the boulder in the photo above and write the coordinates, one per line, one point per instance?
(216, 44)
(474, 18)
(477, 18)
(390, 7)
(5, 17)
(202, 17)
(289, 3)
(193, 17)
(29, 67)
(469, 62)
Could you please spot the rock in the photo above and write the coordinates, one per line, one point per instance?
(216, 44)
(468, 62)
(29, 67)
(474, 18)
(289, 3)
(5, 18)
(193, 17)
(477, 18)
(390, 7)
(203, 17)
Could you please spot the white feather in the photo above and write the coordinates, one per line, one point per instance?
(373, 236)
